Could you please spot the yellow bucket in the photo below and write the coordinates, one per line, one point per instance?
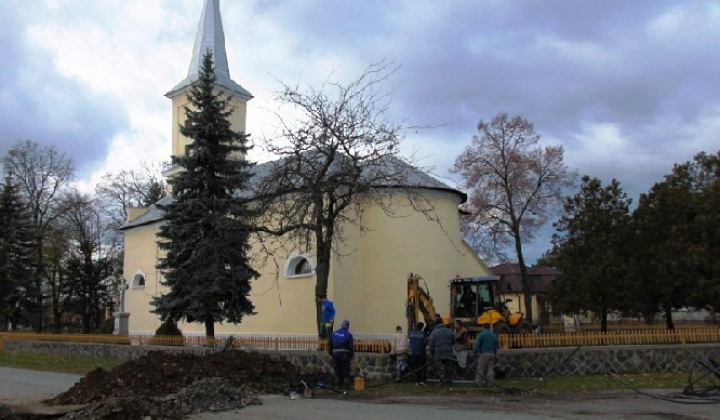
(359, 384)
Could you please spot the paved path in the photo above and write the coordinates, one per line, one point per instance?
(18, 385)
(279, 407)
(614, 405)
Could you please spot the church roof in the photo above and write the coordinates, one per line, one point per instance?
(210, 35)
(411, 177)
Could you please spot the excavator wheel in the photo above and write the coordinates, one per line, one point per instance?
(523, 328)
(501, 327)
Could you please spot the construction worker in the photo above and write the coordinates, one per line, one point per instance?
(461, 341)
(342, 349)
(440, 349)
(399, 350)
(417, 348)
(486, 347)
(327, 310)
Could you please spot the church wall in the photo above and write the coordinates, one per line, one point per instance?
(141, 256)
(367, 278)
(373, 266)
(283, 305)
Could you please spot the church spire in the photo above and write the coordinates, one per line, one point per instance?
(210, 35)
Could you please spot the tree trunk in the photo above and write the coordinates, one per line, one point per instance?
(86, 321)
(323, 239)
(37, 318)
(603, 320)
(56, 313)
(669, 319)
(527, 288)
(209, 326)
(322, 271)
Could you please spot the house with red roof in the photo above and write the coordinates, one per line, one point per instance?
(511, 286)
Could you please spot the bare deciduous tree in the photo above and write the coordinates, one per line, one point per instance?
(89, 260)
(43, 175)
(514, 186)
(139, 187)
(339, 153)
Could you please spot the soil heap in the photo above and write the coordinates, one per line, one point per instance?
(169, 386)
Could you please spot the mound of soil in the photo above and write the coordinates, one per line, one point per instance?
(160, 384)
(209, 394)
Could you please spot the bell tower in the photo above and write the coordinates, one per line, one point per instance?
(210, 36)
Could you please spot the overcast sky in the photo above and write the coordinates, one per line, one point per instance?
(627, 87)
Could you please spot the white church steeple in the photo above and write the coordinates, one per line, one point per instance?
(210, 35)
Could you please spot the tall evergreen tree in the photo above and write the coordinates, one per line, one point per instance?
(206, 232)
(15, 248)
(676, 224)
(707, 292)
(590, 250)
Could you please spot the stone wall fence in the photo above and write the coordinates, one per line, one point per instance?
(375, 366)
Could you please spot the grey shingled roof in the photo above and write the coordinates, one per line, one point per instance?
(211, 36)
(411, 176)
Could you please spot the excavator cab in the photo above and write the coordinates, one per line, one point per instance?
(478, 300)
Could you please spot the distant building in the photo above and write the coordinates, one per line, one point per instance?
(511, 285)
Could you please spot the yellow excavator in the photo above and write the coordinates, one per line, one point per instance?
(473, 300)
(418, 302)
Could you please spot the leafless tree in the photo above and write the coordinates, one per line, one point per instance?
(138, 187)
(43, 175)
(89, 259)
(514, 186)
(337, 152)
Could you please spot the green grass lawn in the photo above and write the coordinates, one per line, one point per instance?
(550, 385)
(55, 363)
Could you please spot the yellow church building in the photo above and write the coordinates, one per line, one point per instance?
(368, 273)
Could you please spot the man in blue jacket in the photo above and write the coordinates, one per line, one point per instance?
(486, 347)
(327, 310)
(342, 350)
(417, 359)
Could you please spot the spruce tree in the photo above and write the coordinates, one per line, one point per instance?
(15, 248)
(205, 235)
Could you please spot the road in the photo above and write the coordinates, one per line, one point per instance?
(20, 385)
(613, 405)
(24, 386)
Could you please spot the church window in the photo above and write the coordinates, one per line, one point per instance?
(138, 280)
(299, 265)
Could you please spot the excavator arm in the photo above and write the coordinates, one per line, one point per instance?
(418, 302)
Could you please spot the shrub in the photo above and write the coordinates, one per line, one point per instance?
(167, 334)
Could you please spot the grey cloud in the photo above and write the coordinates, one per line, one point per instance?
(40, 105)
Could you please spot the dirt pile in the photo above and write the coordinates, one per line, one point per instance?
(169, 386)
(6, 413)
(209, 394)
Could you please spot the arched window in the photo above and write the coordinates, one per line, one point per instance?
(299, 265)
(138, 280)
